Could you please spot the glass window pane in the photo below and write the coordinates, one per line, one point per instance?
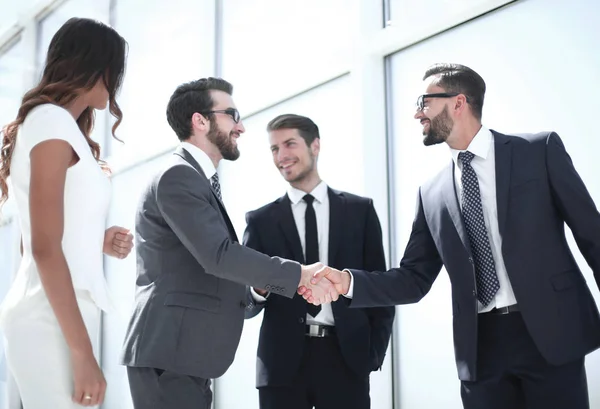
(49, 25)
(253, 181)
(254, 176)
(120, 276)
(524, 94)
(167, 46)
(273, 49)
(11, 82)
(408, 13)
(11, 92)
(12, 10)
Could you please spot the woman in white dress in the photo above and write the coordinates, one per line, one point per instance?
(50, 316)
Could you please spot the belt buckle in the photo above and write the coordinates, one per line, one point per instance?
(503, 310)
(315, 331)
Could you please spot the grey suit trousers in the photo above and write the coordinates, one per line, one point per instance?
(157, 389)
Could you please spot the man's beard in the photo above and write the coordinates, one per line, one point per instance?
(224, 143)
(440, 127)
(304, 173)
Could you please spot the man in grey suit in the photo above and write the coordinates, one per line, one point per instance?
(191, 271)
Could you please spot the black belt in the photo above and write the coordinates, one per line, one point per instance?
(504, 310)
(320, 331)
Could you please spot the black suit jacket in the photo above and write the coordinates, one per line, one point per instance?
(354, 241)
(538, 190)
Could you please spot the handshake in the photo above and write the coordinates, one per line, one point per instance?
(320, 284)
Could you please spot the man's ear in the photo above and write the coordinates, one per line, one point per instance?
(315, 146)
(200, 122)
(461, 103)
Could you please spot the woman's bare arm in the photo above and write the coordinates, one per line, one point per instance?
(50, 161)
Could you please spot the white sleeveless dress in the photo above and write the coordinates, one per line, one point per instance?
(36, 351)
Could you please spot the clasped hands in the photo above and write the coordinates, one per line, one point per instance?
(320, 284)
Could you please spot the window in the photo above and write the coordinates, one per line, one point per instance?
(253, 181)
(11, 81)
(411, 14)
(526, 92)
(127, 188)
(168, 46)
(11, 11)
(273, 49)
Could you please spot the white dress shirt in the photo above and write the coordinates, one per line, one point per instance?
(201, 157)
(321, 206)
(484, 165)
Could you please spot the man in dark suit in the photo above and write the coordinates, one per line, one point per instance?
(307, 355)
(191, 271)
(524, 317)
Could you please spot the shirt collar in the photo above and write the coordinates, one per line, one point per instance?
(201, 157)
(319, 193)
(479, 146)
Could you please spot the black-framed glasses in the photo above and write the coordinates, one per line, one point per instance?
(232, 112)
(421, 99)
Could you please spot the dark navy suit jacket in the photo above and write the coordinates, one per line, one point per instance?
(355, 242)
(538, 190)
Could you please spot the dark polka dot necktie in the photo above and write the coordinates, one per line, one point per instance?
(485, 269)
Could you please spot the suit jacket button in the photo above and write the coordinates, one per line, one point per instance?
(242, 304)
(471, 260)
(301, 320)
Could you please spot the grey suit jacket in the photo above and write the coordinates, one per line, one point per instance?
(191, 276)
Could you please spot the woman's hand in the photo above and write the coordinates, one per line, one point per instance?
(118, 242)
(89, 383)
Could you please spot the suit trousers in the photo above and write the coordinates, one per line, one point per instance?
(153, 388)
(37, 354)
(324, 381)
(512, 374)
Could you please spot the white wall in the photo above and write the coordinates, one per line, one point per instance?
(540, 62)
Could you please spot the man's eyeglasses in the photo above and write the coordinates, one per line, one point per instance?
(421, 99)
(232, 112)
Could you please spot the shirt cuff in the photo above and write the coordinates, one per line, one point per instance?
(351, 286)
(257, 297)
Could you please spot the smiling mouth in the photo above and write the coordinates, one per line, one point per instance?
(287, 165)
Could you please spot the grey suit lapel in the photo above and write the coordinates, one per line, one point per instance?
(190, 159)
(451, 199)
(185, 155)
(287, 226)
(337, 210)
(503, 165)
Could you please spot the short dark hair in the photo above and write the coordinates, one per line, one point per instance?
(308, 130)
(462, 79)
(190, 98)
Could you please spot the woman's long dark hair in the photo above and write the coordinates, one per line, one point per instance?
(81, 52)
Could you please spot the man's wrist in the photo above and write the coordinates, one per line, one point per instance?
(260, 298)
(347, 283)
